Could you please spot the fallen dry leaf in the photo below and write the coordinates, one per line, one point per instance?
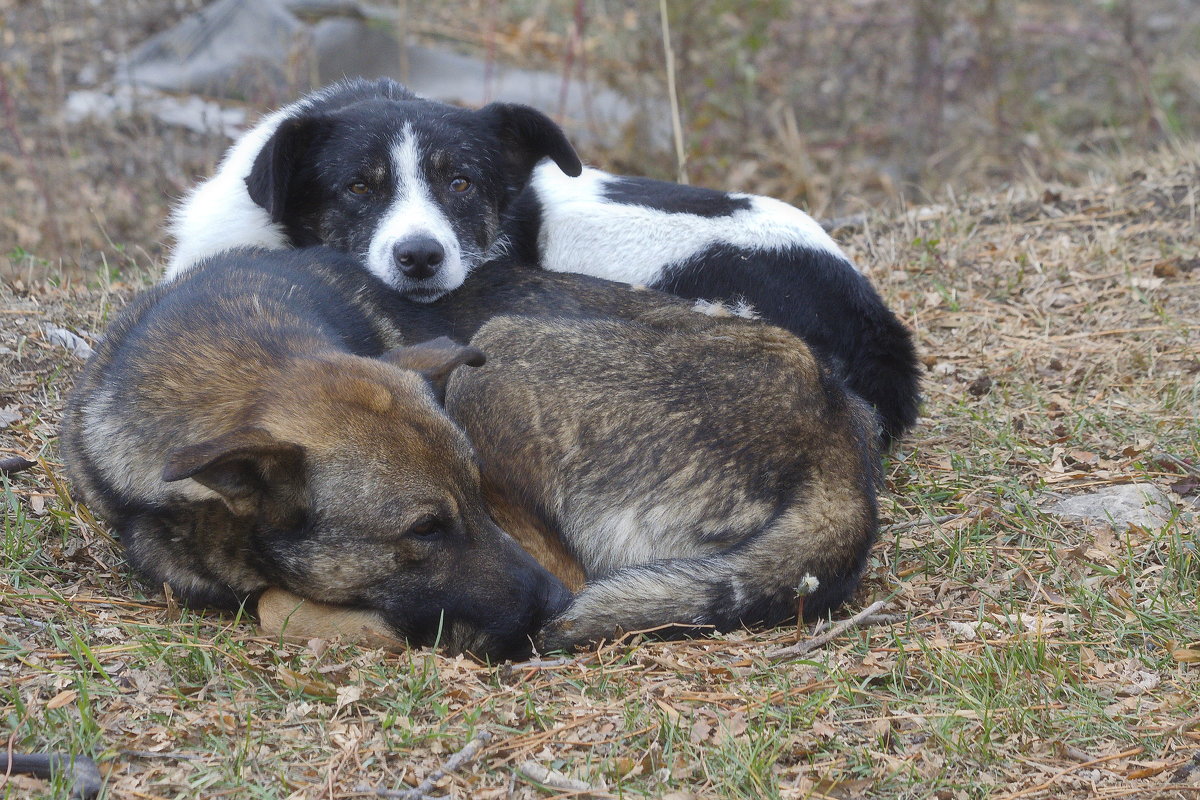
(62, 699)
(303, 683)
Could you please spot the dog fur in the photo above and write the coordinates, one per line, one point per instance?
(285, 183)
(415, 188)
(689, 468)
(698, 468)
(257, 423)
(665, 463)
(737, 248)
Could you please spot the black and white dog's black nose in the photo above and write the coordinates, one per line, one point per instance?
(418, 257)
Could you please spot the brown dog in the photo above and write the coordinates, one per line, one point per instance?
(232, 430)
(683, 469)
(698, 469)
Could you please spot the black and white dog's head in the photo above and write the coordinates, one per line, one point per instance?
(413, 187)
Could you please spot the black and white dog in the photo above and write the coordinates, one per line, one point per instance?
(415, 189)
(423, 192)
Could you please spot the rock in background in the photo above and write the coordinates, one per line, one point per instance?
(1140, 504)
(274, 50)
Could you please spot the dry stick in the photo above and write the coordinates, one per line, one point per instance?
(539, 663)
(874, 619)
(574, 45)
(533, 771)
(1179, 462)
(830, 635)
(1050, 782)
(466, 755)
(920, 523)
(1157, 788)
(164, 756)
(676, 124)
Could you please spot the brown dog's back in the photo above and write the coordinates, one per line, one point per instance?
(697, 468)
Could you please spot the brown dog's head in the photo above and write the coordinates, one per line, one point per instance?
(362, 492)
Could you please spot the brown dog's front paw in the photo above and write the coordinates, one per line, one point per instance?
(281, 613)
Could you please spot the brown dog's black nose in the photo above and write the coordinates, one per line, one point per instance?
(418, 257)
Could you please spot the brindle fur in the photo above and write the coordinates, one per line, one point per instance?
(696, 468)
(690, 468)
(255, 423)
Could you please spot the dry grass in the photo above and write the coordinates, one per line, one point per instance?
(830, 104)
(1033, 657)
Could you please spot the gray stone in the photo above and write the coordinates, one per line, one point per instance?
(272, 50)
(191, 112)
(1141, 504)
(231, 48)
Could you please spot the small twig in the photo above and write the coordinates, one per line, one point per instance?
(874, 619)
(538, 663)
(920, 523)
(1053, 778)
(819, 641)
(535, 772)
(165, 756)
(15, 464)
(466, 755)
(7, 620)
(1190, 469)
(676, 124)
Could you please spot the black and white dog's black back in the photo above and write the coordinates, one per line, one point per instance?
(423, 192)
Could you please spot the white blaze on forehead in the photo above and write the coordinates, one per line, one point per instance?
(413, 213)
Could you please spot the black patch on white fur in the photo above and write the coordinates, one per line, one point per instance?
(673, 198)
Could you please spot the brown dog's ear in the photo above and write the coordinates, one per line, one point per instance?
(529, 136)
(244, 467)
(435, 360)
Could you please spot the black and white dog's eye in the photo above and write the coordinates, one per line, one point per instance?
(459, 185)
(358, 187)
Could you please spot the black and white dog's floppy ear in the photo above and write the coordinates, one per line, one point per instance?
(271, 178)
(529, 136)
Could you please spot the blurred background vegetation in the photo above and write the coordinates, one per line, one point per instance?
(836, 105)
(826, 102)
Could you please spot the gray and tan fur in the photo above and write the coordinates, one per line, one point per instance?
(257, 424)
(697, 469)
(679, 467)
